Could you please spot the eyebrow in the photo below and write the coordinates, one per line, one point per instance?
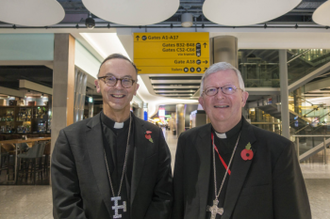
(125, 76)
(222, 85)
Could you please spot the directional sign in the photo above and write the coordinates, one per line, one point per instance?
(171, 53)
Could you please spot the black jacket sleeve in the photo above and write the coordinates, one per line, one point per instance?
(67, 202)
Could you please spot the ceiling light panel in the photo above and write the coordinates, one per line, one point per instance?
(127, 12)
(242, 12)
(321, 15)
(31, 13)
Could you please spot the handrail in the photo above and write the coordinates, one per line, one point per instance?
(324, 115)
(317, 136)
(308, 124)
(301, 129)
(315, 149)
(299, 116)
(315, 109)
(297, 56)
(306, 100)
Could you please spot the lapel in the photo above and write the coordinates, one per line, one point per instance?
(94, 144)
(240, 169)
(141, 146)
(203, 147)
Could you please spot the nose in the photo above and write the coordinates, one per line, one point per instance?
(220, 95)
(118, 84)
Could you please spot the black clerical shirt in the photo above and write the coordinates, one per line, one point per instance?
(115, 142)
(225, 147)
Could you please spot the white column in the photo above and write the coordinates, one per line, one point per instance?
(180, 124)
(284, 93)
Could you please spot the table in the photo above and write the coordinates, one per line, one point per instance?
(17, 142)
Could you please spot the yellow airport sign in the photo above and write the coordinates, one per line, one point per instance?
(172, 62)
(173, 37)
(175, 70)
(168, 52)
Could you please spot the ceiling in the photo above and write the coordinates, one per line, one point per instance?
(76, 14)
(171, 86)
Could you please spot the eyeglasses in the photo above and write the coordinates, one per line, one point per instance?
(211, 91)
(111, 81)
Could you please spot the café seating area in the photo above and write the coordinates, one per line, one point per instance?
(33, 161)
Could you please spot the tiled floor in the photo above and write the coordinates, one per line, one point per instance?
(35, 202)
(25, 202)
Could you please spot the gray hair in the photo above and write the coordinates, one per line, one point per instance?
(221, 66)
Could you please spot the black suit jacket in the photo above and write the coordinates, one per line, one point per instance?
(270, 186)
(80, 183)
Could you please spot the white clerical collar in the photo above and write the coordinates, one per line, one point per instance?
(221, 135)
(118, 125)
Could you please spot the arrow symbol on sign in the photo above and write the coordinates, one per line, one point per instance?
(205, 45)
(205, 62)
(137, 37)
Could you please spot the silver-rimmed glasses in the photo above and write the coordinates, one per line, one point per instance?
(111, 81)
(229, 89)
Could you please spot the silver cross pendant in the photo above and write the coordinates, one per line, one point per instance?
(117, 207)
(214, 209)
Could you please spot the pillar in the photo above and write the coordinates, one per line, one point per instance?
(139, 112)
(284, 93)
(180, 122)
(145, 111)
(297, 100)
(63, 83)
(90, 108)
(79, 95)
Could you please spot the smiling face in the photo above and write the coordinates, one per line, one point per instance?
(116, 99)
(224, 110)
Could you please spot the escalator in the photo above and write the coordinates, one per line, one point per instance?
(296, 121)
(260, 68)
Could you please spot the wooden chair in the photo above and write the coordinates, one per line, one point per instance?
(7, 159)
(46, 160)
(28, 162)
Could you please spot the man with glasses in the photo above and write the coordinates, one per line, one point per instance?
(230, 169)
(113, 165)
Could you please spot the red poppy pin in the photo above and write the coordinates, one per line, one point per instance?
(148, 136)
(247, 153)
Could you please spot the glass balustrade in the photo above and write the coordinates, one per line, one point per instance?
(311, 119)
(260, 68)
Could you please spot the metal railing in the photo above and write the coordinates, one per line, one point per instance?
(314, 150)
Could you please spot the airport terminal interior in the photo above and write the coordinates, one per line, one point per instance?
(50, 54)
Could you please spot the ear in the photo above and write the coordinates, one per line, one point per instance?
(97, 85)
(201, 101)
(245, 96)
(137, 87)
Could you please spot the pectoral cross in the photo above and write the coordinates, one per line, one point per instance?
(116, 207)
(214, 209)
